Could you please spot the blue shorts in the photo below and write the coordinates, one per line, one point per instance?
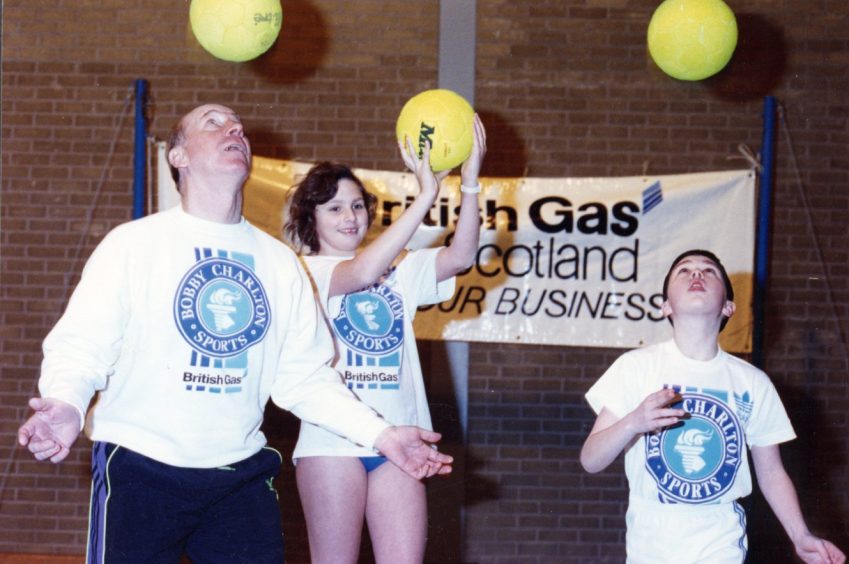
(372, 462)
(146, 511)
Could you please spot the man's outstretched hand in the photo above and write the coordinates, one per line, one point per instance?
(413, 450)
(51, 430)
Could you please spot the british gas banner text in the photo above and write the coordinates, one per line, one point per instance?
(562, 261)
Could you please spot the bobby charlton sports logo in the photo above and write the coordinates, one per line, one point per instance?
(372, 321)
(221, 308)
(697, 460)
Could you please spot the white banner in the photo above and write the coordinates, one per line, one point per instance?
(581, 262)
(562, 261)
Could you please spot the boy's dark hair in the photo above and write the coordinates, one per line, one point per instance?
(729, 289)
(318, 187)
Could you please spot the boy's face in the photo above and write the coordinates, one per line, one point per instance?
(696, 287)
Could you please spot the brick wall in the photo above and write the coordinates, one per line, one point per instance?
(566, 89)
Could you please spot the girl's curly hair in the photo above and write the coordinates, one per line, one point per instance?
(318, 187)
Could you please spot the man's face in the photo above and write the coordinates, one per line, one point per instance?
(696, 287)
(214, 142)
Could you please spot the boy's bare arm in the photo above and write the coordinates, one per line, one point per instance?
(781, 495)
(610, 435)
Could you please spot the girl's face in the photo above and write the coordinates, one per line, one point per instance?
(341, 222)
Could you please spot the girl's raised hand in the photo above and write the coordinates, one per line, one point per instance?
(427, 179)
(472, 166)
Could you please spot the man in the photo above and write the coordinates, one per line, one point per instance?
(684, 412)
(186, 322)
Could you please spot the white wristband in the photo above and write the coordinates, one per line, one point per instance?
(470, 189)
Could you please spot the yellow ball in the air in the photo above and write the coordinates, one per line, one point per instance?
(692, 39)
(236, 30)
(445, 119)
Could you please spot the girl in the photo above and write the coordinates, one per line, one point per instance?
(370, 308)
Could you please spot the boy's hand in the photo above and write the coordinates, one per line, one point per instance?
(814, 550)
(653, 414)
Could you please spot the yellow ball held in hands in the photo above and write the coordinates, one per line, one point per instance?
(692, 39)
(236, 30)
(443, 118)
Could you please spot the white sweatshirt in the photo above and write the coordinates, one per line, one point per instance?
(186, 327)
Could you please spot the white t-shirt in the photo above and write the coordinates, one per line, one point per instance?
(186, 327)
(375, 345)
(731, 404)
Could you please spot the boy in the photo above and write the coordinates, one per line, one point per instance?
(684, 412)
